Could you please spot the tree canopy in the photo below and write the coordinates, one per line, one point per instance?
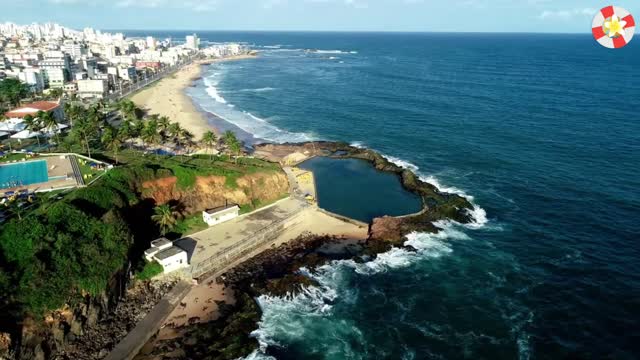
(12, 91)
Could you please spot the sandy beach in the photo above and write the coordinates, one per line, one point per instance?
(167, 97)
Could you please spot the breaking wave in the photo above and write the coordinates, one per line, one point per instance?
(477, 213)
(292, 318)
(250, 123)
(333, 52)
(264, 89)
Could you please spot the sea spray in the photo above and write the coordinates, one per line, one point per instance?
(284, 317)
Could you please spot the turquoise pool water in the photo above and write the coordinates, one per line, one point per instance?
(24, 173)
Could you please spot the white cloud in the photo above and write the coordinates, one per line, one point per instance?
(202, 5)
(566, 14)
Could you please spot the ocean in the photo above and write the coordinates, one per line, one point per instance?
(541, 132)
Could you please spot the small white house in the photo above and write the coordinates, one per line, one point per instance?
(170, 257)
(220, 214)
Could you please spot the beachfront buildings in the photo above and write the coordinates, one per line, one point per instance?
(171, 257)
(220, 214)
(51, 56)
(96, 88)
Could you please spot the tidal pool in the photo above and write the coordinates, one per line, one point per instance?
(354, 188)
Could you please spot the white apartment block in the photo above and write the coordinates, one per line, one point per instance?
(92, 88)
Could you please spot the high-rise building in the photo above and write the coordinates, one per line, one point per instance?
(151, 43)
(192, 42)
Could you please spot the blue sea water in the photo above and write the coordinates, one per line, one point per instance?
(542, 133)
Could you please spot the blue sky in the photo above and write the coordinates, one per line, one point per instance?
(561, 16)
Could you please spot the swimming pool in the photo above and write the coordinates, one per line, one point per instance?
(23, 173)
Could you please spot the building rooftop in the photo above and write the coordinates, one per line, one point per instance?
(167, 253)
(160, 242)
(32, 109)
(221, 208)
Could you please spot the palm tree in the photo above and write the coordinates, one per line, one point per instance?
(229, 137)
(111, 139)
(50, 123)
(232, 142)
(209, 140)
(166, 217)
(85, 129)
(173, 132)
(163, 125)
(186, 137)
(235, 148)
(33, 125)
(150, 134)
(127, 109)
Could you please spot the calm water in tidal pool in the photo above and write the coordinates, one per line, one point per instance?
(354, 188)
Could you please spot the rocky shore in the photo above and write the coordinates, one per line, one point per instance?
(276, 271)
(89, 329)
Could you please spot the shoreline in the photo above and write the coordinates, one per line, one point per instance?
(168, 97)
(275, 271)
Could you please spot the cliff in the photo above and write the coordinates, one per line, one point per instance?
(211, 191)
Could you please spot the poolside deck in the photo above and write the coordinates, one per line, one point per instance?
(63, 172)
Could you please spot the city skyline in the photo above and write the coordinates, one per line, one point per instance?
(541, 16)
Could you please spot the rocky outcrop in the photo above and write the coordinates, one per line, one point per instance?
(212, 191)
(91, 327)
(436, 205)
(274, 272)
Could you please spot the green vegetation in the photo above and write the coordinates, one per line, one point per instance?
(13, 157)
(64, 246)
(61, 253)
(166, 216)
(12, 91)
(88, 173)
(149, 270)
(190, 224)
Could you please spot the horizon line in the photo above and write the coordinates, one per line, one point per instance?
(356, 31)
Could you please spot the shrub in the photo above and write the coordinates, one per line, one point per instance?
(149, 270)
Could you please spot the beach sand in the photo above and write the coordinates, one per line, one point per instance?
(167, 97)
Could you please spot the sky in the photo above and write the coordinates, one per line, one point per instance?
(555, 16)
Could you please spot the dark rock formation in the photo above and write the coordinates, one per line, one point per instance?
(91, 327)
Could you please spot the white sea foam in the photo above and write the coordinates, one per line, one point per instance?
(264, 89)
(402, 163)
(246, 121)
(283, 317)
(334, 52)
(212, 90)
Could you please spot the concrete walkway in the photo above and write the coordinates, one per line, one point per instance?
(217, 239)
(128, 347)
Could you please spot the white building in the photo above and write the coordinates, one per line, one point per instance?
(170, 257)
(151, 43)
(33, 78)
(220, 214)
(192, 42)
(92, 88)
(128, 73)
(55, 78)
(74, 49)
